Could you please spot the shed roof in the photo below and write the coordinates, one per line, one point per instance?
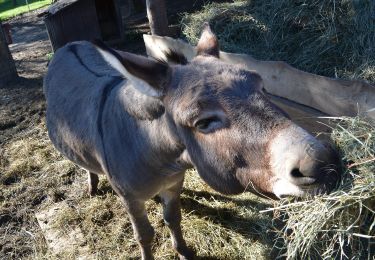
(58, 6)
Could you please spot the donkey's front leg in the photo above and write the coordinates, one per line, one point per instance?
(172, 218)
(143, 231)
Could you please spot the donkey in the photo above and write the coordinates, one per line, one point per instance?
(143, 122)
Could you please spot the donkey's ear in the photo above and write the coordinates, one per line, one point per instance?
(208, 43)
(148, 76)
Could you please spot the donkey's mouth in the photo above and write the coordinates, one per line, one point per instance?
(311, 186)
(304, 181)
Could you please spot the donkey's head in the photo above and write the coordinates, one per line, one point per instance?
(234, 136)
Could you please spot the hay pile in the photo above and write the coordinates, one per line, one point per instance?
(340, 225)
(330, 38)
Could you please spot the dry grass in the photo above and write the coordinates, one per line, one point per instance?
(330, 38)
(215, 226)
(34, 177)
(32, 173)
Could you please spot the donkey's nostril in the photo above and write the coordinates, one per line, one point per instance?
(296, 173)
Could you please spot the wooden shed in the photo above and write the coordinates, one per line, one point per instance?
(74, 20)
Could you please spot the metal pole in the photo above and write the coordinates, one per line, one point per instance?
(27, 2)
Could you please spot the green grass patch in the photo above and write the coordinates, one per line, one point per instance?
(8, 10)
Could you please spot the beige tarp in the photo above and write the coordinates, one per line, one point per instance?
(334, 97)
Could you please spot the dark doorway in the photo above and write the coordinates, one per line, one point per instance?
(107, 18)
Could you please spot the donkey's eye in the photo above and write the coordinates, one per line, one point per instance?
(209, 124)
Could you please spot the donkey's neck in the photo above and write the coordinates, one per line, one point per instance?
(138, 105)
(148, 136)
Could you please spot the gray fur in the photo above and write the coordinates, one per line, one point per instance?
(105, 125)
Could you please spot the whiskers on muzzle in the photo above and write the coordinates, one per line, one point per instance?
(302, 164)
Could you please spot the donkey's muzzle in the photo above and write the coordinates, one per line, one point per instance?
(302, 164)
(320, 168)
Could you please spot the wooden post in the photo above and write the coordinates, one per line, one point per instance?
(157, 17)
(7, 68)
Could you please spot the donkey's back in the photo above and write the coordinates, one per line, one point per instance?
(75, 87)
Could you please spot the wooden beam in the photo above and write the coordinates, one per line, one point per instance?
(157, 17)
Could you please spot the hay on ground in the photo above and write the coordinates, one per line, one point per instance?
(340, 225)
(329, 38)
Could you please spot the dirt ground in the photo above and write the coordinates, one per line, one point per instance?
(22, 109)
(22, 102)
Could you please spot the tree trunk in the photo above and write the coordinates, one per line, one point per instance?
(7, 68)
(157, 17)
(14, 3)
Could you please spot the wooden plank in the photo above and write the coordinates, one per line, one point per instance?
(308, 118)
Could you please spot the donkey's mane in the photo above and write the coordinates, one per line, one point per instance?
(173, 56)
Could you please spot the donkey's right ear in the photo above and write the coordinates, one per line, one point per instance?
(208, 43)
(148, 76)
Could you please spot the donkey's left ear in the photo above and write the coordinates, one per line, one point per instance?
(208, 43)
(148, 76)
